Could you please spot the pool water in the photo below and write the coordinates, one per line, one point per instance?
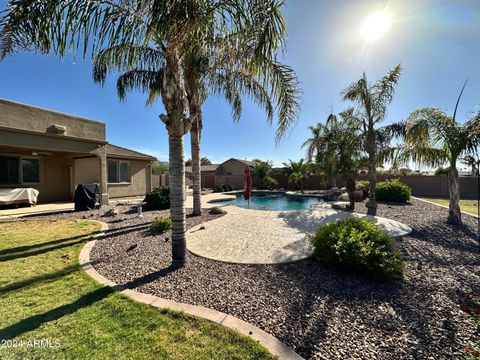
(275, 202)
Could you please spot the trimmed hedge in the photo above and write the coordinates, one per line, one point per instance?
(223, 188)
(393, 191)
(355, 244)
(158, 199)
(161, 224)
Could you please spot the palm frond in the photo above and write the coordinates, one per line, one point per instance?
(144, 80)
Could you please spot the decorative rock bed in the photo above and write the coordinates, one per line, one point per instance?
(321, 313)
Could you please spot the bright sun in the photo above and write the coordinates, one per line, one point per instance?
(375, 25)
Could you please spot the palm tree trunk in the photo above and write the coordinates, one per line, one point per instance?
(350, 185)
(177, 198)
(196, 166)
(333, 176)
(454, 214)
(177, 124)
(372, 172)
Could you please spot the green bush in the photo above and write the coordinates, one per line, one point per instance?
(158, 199)
(222, 188)
(355, 244)
(269, 182)
(442, 171)
(161, 224)
(393, 191)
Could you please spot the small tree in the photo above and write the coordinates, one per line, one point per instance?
(263, 170)
(371, 102)
(297, 172)
(205, 161)
(433, 138)
(158, 168)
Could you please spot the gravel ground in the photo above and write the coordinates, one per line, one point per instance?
(321, 313)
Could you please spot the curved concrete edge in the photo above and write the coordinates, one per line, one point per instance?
(444, 206)
(271, 343)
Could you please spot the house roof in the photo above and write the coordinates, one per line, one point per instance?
(246, 162)
(119, 151)
(203, 168)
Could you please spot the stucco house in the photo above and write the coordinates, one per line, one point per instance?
(53, 152)
(229, 172)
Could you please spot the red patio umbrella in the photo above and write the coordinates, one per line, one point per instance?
(248, 184)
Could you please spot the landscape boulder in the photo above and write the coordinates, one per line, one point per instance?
(358, 196)
(216, 211)
(331, 194)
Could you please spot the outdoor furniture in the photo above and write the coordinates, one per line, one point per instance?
(9, 196)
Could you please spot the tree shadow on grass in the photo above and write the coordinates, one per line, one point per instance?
(34, 280)
(36, 321)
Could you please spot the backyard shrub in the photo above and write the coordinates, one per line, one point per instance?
(158, 199)
(218, 188)
(222, 188)
(161, 224)
(393, 191)
(269, 182)
(355, 244)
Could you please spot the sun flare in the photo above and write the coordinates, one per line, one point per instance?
(375, 25)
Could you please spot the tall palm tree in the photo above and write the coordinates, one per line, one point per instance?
(297, 172)
(59, 26)
(433, 138)
(322, 149)
(371, 102)
(229, 76)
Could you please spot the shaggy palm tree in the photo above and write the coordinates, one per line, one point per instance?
(297, 172)
(205, 71)
(433, 138)
(323, 150)
(59, 26)
(371, 102)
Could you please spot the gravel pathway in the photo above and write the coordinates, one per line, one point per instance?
(321, 313)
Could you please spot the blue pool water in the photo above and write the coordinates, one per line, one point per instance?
(278, 202)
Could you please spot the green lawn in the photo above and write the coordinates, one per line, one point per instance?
(465, 205)
(45, 295)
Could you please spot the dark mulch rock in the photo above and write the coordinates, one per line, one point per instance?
(321, 313)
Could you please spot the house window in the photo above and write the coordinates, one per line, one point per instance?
(9, 171)
(118, 171)
(30, 170)
(18, 170)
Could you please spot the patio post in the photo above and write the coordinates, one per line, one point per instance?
(102, 164)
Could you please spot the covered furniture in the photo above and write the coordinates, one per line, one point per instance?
(9, 196)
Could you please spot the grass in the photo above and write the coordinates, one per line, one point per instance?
(45, 295)
(465, 205)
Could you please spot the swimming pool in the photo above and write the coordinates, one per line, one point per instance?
(277, 202)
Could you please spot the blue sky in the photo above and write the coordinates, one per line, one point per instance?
(436, 41)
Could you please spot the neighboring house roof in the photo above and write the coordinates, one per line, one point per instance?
(246, 162)
(114, 150)
(203, 168)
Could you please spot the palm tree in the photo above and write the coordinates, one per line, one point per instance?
(59, 26)
(229, 76)
(322, 149)
(472, 162)
(297, 172)
(371, 101)
(433, 138)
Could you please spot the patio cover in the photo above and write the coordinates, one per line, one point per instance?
(18, 196)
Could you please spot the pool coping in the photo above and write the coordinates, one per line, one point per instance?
(271, 343)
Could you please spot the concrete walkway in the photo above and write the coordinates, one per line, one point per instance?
(247, 236)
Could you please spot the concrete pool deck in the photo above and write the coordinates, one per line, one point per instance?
(247, 236)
